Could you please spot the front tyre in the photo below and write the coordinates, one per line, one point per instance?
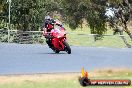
(67, 47)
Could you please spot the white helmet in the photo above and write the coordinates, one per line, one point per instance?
(48, 18)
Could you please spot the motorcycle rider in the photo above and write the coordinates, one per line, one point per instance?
(48, 25)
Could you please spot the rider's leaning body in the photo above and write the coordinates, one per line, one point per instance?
(47, 27)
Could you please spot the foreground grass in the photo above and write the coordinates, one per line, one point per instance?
(60, 80)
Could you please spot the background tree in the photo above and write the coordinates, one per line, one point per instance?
(123, 13)
(29, 14)
(3, 13)
(122, 16)
(93, 11)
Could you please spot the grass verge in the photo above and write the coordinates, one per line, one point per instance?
(60, 80)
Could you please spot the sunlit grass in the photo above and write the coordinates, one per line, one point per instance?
(82, 37)
(61, 80)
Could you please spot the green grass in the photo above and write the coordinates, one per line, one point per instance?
(66, 83)
(76, 38)
(57, 84)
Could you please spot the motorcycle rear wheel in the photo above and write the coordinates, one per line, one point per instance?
(67, 47)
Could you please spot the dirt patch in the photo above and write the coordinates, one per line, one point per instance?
(38, 77)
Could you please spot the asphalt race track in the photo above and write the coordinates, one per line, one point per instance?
(36, 58)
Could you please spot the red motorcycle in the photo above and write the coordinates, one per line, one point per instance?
(59, 40)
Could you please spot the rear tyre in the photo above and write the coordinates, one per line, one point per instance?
(67, 47)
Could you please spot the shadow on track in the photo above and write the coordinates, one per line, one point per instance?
(53, 53)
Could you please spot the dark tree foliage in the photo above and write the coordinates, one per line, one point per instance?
(3, 10)
(29, 14)
(91, 10)
(25, 14)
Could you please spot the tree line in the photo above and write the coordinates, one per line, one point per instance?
(29, 14)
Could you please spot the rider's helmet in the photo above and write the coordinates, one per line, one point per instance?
(49, 21)
(48, 17)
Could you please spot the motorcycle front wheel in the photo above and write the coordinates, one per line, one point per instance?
(67, 47)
